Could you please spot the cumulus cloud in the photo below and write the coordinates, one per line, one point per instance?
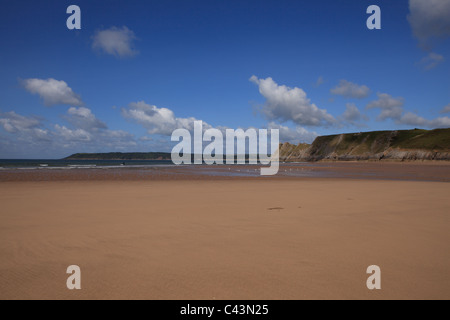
(293, 135)
(290, 104)
(351, 90)
(352, 116)
(431, 61)
(441, 122)
(13, 122)
(116, 139)
(146, 138)
(53, 92)
(73, 134)
(391, 108)
(118, 42)
(87, 128)
(446, 109)
(83, 118)
(85, 133)
(351, 113)
(158, 120)
(25, 127)
(413, 119)
(429, 19)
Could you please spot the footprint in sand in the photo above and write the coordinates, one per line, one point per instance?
(275, 208)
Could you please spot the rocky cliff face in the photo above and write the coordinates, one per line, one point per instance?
(381, 145)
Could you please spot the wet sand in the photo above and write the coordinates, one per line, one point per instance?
(216, 237)
(406, 171)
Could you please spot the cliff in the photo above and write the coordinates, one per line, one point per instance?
(399, 145)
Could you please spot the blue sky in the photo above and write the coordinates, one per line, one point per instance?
(137, 70)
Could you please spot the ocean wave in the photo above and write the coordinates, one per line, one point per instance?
(144, 166)
(82, 166)
(44, 167)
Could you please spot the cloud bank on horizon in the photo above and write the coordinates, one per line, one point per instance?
(336, 101)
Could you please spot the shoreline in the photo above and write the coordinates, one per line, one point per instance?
(410, 171)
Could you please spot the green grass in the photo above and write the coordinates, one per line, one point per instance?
(438, 139)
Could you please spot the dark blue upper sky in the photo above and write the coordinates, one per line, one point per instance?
(139, 69)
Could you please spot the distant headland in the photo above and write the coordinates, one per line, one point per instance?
(121, 156)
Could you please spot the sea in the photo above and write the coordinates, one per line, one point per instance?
(37, 164)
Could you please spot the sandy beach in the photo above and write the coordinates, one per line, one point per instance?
(222, 238)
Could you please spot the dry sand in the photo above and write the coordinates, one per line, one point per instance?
(226, 239)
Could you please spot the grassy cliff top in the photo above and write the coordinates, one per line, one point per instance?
(377, 141)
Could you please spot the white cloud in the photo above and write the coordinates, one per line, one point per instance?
(28, 128)
(391, 108)
(413, 119)
(89, 129)
(441, 122)
(13, 122)
(28, 137)
(79, 140)
(116, 139)
(73, 135)
(146, 138)
(290, 104)
(351, 90)
(53, 92)
(429, 19)
(83, 118)
(115, 41)
(158, 120)
(41, 134)
(432, 60)
(446, 109)
(351, 113)
(295, 136)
